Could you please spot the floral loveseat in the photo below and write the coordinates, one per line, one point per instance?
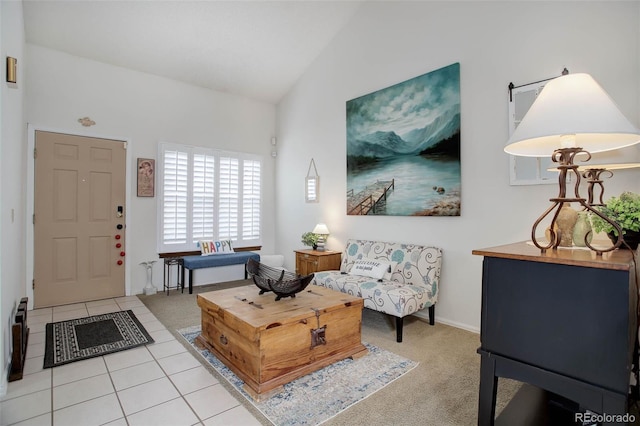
(397, 279)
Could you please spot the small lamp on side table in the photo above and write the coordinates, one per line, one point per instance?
(322, 230)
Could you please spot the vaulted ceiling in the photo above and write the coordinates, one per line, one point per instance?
(256, 49)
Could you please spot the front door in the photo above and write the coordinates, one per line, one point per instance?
(79, 219)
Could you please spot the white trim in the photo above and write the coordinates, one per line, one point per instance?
(31, 143)
(424, 315)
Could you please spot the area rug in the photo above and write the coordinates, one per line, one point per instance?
(319, 396)
(83, 338)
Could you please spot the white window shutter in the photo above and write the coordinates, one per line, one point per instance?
(202, 209)
(228, 199)
(251, 200)
(174, 186)
(207, 194)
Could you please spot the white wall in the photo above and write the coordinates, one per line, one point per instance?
(12, 170)
(146, 109)
(495, 43)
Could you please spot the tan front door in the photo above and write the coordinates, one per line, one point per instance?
(79, 219)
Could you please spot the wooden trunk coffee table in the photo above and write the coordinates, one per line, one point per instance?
(268, 343)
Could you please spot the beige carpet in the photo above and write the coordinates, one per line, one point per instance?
(442, 390)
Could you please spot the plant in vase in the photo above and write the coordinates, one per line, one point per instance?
(310, 239)
(625, 211)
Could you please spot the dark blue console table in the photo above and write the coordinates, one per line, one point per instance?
(564, 321)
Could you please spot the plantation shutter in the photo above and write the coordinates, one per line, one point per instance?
(207, 194)
(175, 184)
(251, 200)
(203, 197)
(229, 196)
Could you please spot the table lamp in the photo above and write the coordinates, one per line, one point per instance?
(572, 116)
(322, 230)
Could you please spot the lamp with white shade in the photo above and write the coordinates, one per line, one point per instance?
(573, 116)
(322, 231)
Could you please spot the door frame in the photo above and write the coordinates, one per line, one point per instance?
(30, 201)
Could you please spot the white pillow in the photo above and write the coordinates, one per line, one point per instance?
(372, 268)
(207, 248)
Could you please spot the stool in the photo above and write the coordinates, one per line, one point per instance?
(169, 263)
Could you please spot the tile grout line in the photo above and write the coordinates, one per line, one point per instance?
(124, 415)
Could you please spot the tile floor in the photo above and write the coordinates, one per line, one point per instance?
(153, 385)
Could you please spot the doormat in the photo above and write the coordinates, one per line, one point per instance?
(321, 395)
(83, 338)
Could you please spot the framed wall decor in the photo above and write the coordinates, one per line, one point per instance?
(312, 184)
(403, 148)
(146, 177)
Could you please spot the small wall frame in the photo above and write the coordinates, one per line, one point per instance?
(312, 184)
(146, 177)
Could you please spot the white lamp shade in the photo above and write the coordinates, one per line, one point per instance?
(321, 229)
(572, 104)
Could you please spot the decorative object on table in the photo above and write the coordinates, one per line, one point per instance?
(83, 338)
(572, 116)
(310, 239)
(567, 218)
(321, 395)
(582, 230)
(322, 232)
(312, 184)
(401, 142)
(149, 287)
(625, 211)
(280, 281)
(146, 177)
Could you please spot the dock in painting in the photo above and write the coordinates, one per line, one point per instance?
(370, 198)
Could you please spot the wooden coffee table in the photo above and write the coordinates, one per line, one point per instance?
(268, 343)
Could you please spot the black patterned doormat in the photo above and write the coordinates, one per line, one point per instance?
(83, 338)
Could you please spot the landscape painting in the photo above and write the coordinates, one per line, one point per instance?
(403, 148)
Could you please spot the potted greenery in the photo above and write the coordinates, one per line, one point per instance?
(625, 211)
(310, 239)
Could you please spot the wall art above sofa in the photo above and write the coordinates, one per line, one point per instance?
(403, 148)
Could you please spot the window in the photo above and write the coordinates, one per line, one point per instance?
(206, 194)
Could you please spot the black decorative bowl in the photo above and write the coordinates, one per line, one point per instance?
(282, 283)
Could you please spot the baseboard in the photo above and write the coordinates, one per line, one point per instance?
(4, 383)
(424, 315)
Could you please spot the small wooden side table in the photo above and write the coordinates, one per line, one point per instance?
(169, 263)
(311, 261)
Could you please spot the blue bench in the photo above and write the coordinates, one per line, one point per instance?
(201, 262)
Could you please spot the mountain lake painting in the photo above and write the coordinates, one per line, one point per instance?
(403, 148)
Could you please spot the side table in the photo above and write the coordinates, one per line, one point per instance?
(311, 261)
(169, 263)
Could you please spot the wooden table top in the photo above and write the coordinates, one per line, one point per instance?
(260, 310)
(619, 259)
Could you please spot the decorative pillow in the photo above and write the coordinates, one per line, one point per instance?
(207, 248)
(372, 268)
